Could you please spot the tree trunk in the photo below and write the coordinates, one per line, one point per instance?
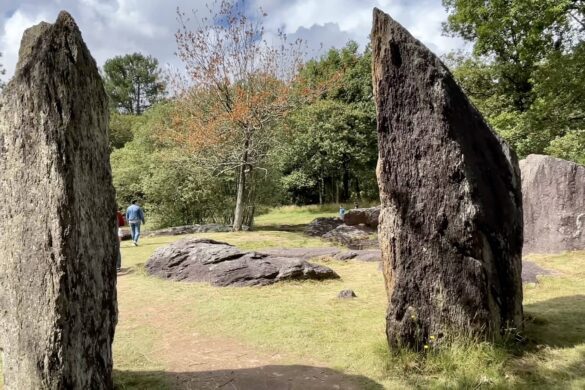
(321, 185)
(345, 189)
(241, 191)
(58, 241)
(451, 220)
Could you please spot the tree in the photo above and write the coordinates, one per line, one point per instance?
(133, 82)
(524, 74)
(237, 87)
(515, 35)
(331, 151)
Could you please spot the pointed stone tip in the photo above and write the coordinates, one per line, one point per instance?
(32, 35)
(65, 19)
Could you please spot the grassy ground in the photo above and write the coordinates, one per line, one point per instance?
(303, 323)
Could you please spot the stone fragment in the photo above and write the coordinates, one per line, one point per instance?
(553, 195)
(365, 216)
(221, 264)
(346, 294)
(58, 243)
(451, 220)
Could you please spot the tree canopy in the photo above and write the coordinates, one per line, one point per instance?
(133, 82)
(237, 88)
(524, 73)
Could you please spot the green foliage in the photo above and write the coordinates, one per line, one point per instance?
(121, 129)
(174, 187)
(332, 147)
(133, 82)
(515, 35)
(526, 74)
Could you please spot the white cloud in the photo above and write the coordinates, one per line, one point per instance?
(117, 27)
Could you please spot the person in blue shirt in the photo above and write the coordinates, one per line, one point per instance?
(134, 217)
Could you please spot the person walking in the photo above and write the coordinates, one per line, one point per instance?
(135, 216)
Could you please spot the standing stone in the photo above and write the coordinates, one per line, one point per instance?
(451, 221)
(58, 241)
(553, 193)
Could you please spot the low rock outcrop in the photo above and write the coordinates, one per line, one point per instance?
(369, 255)
(221, 264)
(349, 236)
(192, 229)
(365, 216)
(553, 195)
(320, 226)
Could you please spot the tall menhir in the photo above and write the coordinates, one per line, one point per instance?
(58, 241)
(451, 221)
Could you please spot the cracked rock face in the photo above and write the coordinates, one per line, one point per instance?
(58, 242)
(221, 264)
(553, 193)
(451, 220)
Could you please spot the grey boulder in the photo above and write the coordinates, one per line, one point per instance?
(553, 194)
(365, 216)
(221, 264)
(320, 226)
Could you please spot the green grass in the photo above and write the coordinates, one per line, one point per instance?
(305, 323)
(295, 215)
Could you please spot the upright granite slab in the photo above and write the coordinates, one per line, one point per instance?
(451, 221)
(58, 243)
(553, 193)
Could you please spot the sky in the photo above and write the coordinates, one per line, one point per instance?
(118, 27)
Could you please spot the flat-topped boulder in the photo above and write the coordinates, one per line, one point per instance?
(222, 264)
(553, 195)
(349, 236)
(366, 216)
(367, 255)
(320, 226)
(192, 229)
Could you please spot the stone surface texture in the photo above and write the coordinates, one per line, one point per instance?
(58, 242)
(451, 221)
(367, 255)
(221, 264)
(553, 194)
(350, 236)
(320, 226)
(366, 216)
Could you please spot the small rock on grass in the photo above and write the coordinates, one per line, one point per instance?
(346, 294)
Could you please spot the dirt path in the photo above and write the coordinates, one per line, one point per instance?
(196, 361)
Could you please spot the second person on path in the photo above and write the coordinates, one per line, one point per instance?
(135, 216)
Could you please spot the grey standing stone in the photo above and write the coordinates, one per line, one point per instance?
(553, 193)
(451, 221)
(58, 242)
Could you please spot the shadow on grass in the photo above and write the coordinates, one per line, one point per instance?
(257, 378)
(557, 322)
(280, 228)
